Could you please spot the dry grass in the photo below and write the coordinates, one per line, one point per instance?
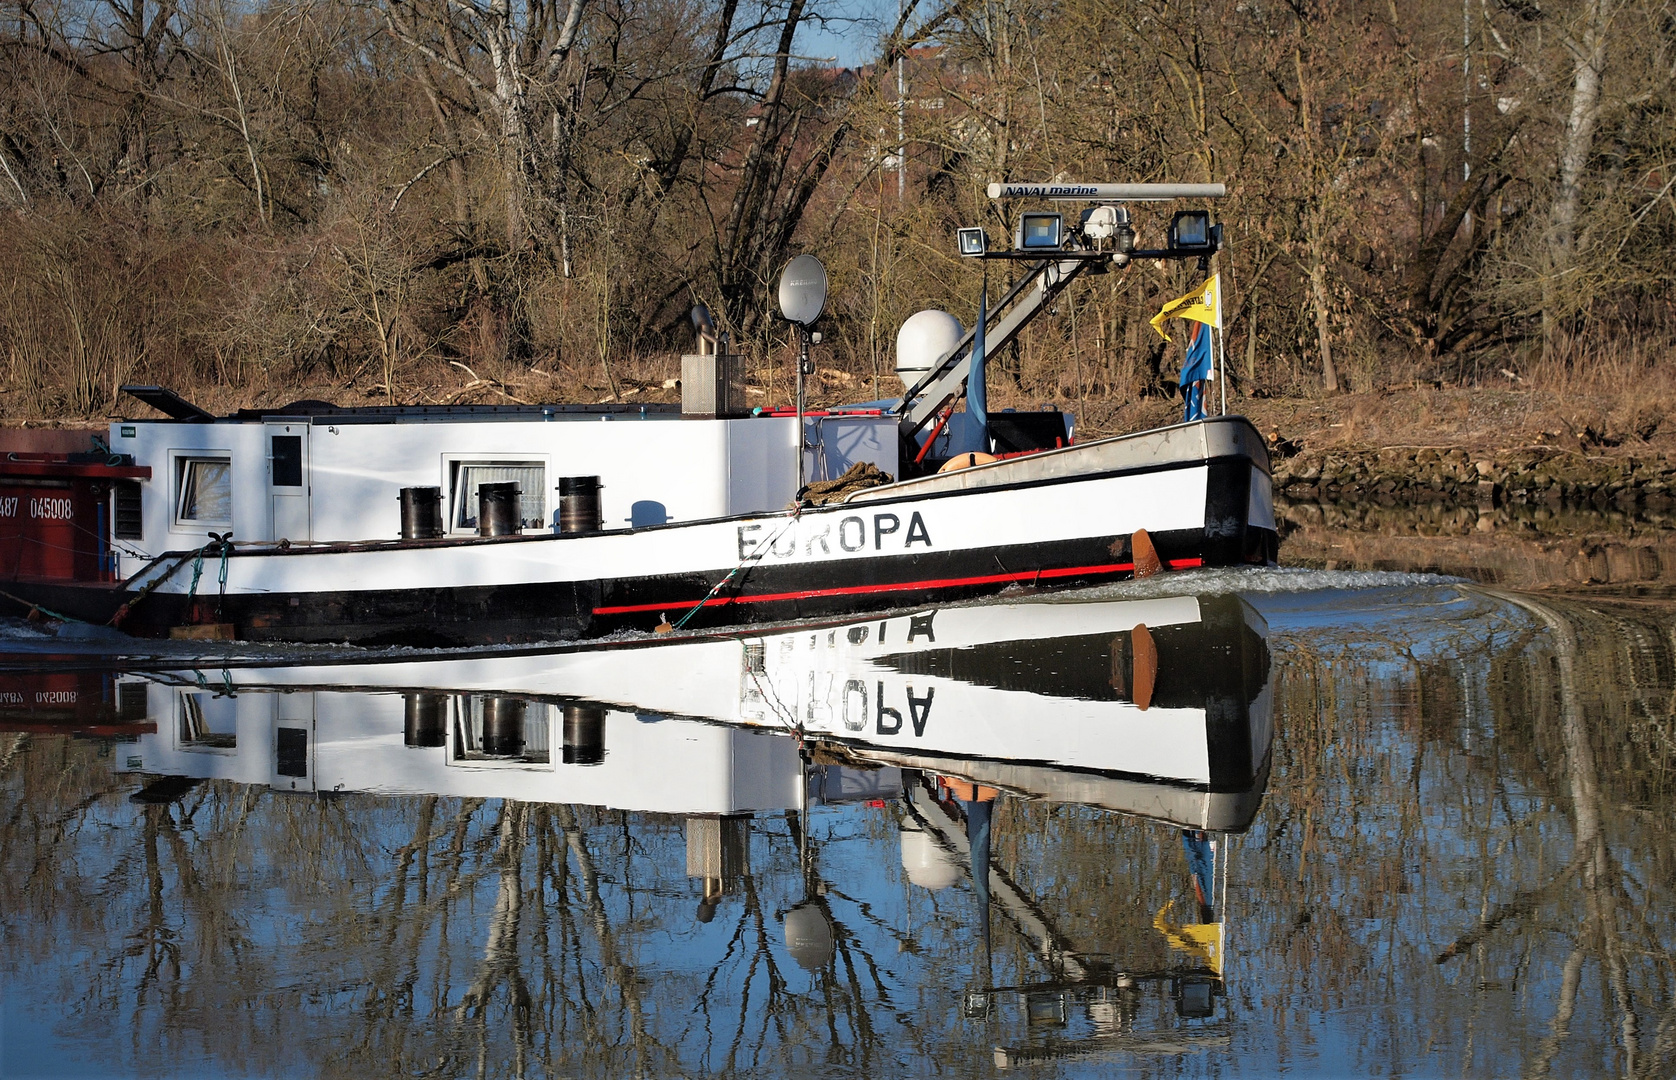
(1612, 404)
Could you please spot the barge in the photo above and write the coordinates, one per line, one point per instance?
(436, 525)
(1160, 708)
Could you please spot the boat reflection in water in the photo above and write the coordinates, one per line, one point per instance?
(1155, 708)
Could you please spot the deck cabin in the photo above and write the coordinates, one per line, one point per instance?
(315, 473)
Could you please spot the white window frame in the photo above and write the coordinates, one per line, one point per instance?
(454, 465)
(189, 705)
(179, 463)
(464, 726)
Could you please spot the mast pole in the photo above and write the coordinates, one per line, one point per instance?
(901, 110)
(802, 363)
(1222, 364)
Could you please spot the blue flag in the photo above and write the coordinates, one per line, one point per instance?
(1195, 369)
(977, 392)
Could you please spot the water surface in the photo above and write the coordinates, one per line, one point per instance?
(1365, 824)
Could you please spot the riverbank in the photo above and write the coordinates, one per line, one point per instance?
(1522, 475)
(1586, 443)
(1519, 546)
(1574, 444)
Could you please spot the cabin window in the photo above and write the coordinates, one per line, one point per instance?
(288, 460)
(468, 476)
(208, 722)
(205, 491)
(492, 731)
(126, 522)
(291, 745)
(132, 705)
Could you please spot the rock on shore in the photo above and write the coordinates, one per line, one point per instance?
(1525, 475)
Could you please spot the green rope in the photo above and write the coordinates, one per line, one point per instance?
(221, 577)
(754, 556)
(696, 608)
(224, 543)
(48, 612)
(197, 572)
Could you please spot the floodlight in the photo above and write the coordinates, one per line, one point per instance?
(1039, 232)
(1191, 233)
(1046, 1010)
(973, 241)
(1195, 996)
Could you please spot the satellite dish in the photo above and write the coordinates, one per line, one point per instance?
(802, 290)
(809, 935)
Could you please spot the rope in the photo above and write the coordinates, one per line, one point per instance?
(33, 607)
(37, 541)
(122, 612)
(754, 556)
(858, 477)
(936, 431)
(787, 716)
(197, 572)
(116, 543)
(821, 468)
(223, 541)
(221, 576)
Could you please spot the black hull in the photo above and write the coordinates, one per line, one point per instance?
(551, 606)
(567, 611)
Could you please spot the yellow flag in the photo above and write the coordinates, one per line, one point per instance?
(1201, 940)
(1203, 304)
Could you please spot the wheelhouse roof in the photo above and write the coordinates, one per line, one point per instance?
(178, 410)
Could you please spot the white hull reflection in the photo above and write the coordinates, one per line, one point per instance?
(1153, 707)
(481, 747)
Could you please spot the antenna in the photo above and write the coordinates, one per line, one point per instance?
(1108, 192)
(803, 291)
(802, 299)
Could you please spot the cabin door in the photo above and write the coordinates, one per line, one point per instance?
(288, 486)
(293, 746)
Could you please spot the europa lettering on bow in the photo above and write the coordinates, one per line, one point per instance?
(828, 535)
(857, 709)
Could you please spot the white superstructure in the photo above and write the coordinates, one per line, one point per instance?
(336, 477)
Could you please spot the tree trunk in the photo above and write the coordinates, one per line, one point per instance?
(1590, 53)
(512, 112)
(1323, 330)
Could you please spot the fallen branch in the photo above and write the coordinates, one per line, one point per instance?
(478, 382)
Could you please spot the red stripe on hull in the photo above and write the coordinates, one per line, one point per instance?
(905, 586)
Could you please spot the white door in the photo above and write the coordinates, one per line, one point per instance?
(293, 742)
(288, 480)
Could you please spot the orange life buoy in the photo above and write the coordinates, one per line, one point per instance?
(966, 461)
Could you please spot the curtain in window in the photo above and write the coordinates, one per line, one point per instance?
(532, 492)
(206, 491)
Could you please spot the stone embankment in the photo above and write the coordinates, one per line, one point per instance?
(1547, 475)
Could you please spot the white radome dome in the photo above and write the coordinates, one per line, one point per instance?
(924, 339)
(926, 863)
